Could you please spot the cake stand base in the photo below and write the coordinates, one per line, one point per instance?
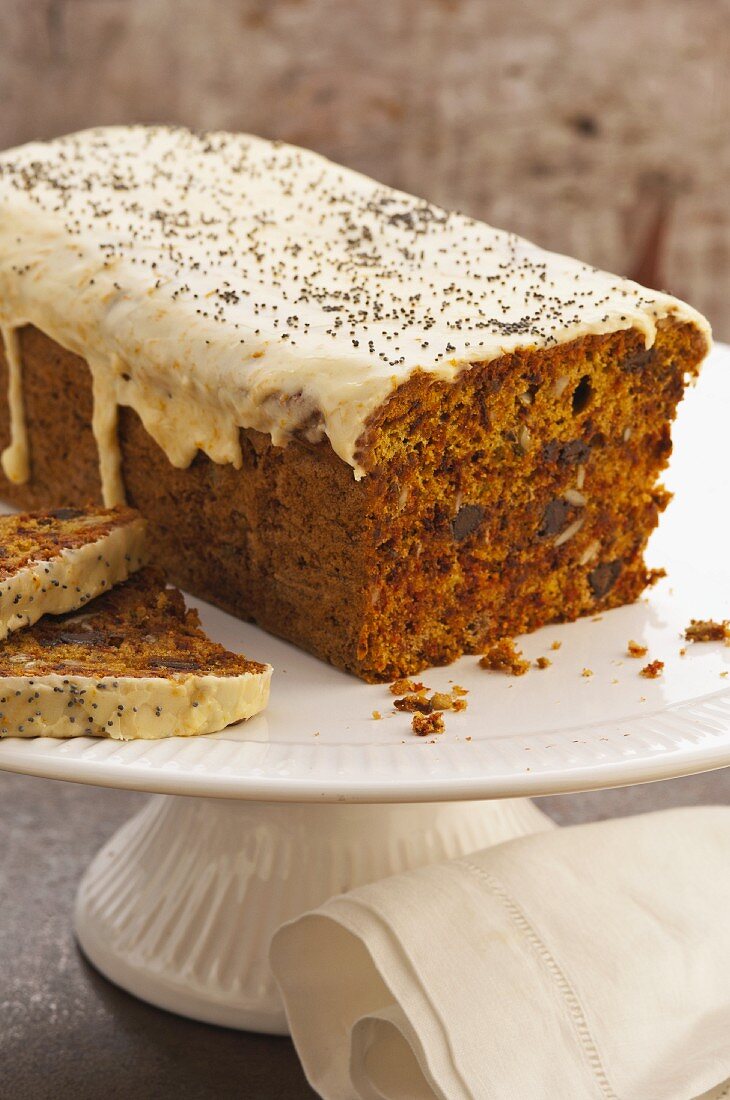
(180, 905)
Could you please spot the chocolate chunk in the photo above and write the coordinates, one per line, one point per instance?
(176, 663)
(65, 513)
(81, 637)
(582, 395)
(482, 410)
(555, 518)
(638, 361)
(574, 452)
(603, 578)
(466, 520)
(571, 453)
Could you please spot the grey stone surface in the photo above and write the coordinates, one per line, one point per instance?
(67, 1034)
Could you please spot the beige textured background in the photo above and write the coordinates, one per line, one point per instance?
(597, 127)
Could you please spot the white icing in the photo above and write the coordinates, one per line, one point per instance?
(128, 707)
(219, 281)
(14, 459)
(71, 578)
(104, 426)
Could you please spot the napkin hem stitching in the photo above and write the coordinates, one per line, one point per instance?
(568, 993)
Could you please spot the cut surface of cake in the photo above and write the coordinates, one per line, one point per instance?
(52, 562)
(389, 433)
(135, 664)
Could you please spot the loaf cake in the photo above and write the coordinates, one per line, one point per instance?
(52, 562)
(134, 664)
(388, 433)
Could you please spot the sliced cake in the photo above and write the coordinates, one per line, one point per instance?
(135, 664)
(390, 433)
(53, 562)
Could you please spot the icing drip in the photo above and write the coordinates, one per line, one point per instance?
(104, 426)
(14, 459)
(244, 283)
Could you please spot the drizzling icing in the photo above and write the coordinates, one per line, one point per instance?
(218, 281)
(14, 459)
(104, 426)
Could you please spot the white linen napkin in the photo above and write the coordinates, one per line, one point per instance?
(591, 961)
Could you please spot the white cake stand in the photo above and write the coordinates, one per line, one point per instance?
(258, 823)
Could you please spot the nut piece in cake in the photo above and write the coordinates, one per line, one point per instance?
(134, 664)
(56, 561)
(417, 702)
(504, 656)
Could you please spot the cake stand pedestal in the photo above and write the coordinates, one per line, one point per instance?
(254, 825)
(180, 906)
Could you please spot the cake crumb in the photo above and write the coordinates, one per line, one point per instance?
(403, 686)
(707, 630)
(636, 649)
(467, 738)
(683, 652)
(459, 704)
(587, 673)
(503, 656)
(441, 701)
(425, 724)
(556, 645)
(377, 715)
(543, 662)
(414, 703)
(724, 674)
(457, 689)
(652, 671)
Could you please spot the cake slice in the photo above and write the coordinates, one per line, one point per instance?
(135, 664)
(53, 562)
(387, 432)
